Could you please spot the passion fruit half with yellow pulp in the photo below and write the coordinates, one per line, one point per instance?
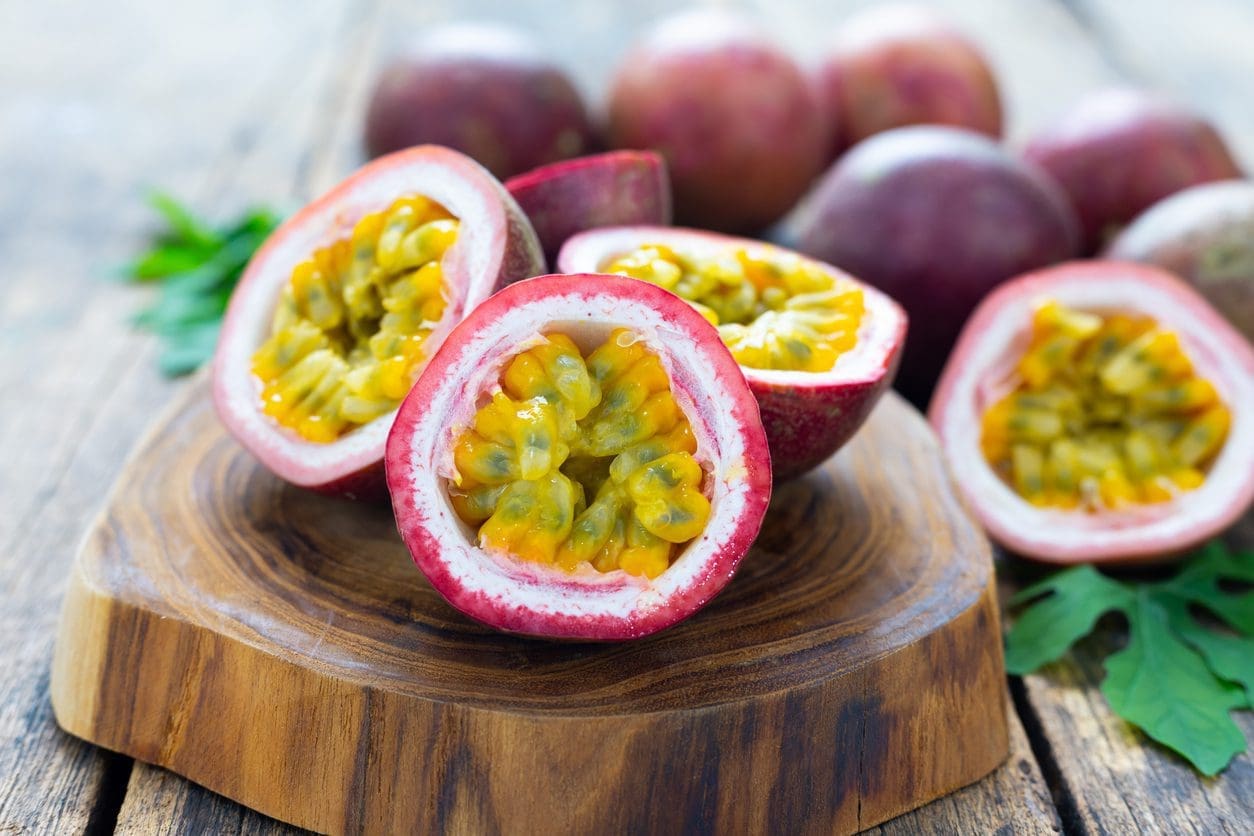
(1100, 412)
(582, 459)
(337, 314)
(817, 347)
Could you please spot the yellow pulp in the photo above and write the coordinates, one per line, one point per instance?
(582, 459)
(773, 311)
(1108, 413)
(346, 343)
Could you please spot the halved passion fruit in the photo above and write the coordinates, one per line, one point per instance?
(1100, 411)
(817, 347)
(581, 459)
(339, 312)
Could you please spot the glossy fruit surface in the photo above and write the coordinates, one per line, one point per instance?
(484, 90)
(734, 116)
(1119, 151)
(817, 347)
(586, 424)
(1205, 235)
(338, 312)
(1147, 455)
(935, 217)
(613, 189)
(899, 64)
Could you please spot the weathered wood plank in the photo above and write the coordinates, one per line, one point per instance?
(1114, 779)
(124, 96)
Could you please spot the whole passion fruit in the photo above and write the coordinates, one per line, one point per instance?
(485, 90)
(1119, 151)
(614, 189)
(817, 347)
(1100, 411)
(734, 116)
(901, 64)
(1205, 235)
(339, 311)
(936, 217)
(581, 460)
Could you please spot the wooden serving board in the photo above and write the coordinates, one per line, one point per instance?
(281, 648)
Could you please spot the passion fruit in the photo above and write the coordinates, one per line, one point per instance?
(619, 188)
(936, 217)
(1100, 411)
(339, 311)
(817, 347)
(1119, 151)
(485, 90)
(734, 116)
(1205, 235)
(582, 459)
(901, 64)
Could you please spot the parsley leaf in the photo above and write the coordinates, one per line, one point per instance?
(1177, 678)
(196, 265)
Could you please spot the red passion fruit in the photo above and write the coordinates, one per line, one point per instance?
(734, 116)
(619, 188)
(339, 311)
(485, 90)
(1100, 411)
(1118, 151)
(582, 459)
(899, 65)
(817, 347)
(935, 217)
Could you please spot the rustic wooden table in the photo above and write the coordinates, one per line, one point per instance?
(241, 101)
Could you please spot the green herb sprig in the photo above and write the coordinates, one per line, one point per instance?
(1177, 679)
(196, 265)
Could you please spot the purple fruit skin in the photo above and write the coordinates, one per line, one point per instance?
(619, 188)
(483, 90)
(1119, 151)
(1205, 235)
(936, 217)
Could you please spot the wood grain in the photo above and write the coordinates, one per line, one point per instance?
(280, 648)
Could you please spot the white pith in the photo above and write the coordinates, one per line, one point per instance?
(477, 253)
(881, 321)
(468, 377)
(979, 379)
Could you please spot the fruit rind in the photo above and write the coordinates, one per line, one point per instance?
(808, 416)
(613, 189)
(496, 246)
(991, 343)
(526, 598)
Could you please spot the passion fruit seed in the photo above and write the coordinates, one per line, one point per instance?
(563, 428)
(773, 311)
(1108, 413)
(347, 337)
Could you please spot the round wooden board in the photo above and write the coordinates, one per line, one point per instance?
(280, 648)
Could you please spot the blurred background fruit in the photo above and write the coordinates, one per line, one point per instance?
(935, 217)
(901, 64)
(1205, 235)
(485, 90)
(1118, 151)
(732, 113)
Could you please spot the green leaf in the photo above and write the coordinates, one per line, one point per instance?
(184, 227)
(1198, 583)
(1163, 686)
(1076, 599)
(189, 350)
(196, 267)
(1228, 656)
